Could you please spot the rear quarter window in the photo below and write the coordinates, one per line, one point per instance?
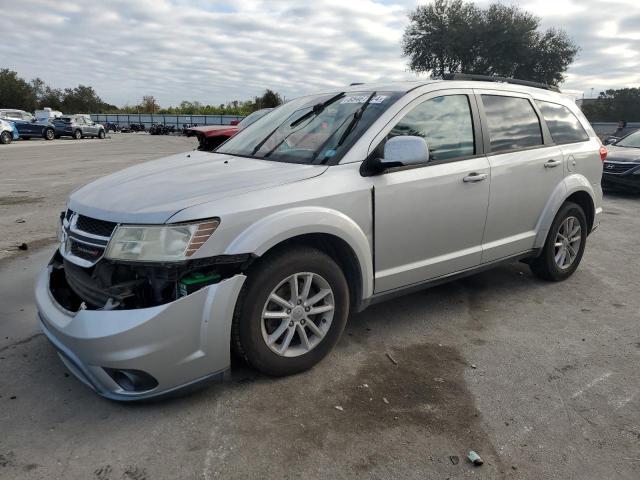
(513, 123)
(562, 123)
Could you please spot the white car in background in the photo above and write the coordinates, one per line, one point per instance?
(47, 114)
(8, 132)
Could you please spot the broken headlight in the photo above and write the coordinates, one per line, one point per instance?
(159, 243)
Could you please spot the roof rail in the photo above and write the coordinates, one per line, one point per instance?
(356, 83)
(490, 78)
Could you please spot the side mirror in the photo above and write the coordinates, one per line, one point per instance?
(234, 122)
(405, 150)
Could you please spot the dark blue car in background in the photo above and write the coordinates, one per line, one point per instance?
(27, 124)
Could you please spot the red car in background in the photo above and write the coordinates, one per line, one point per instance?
(211, 137)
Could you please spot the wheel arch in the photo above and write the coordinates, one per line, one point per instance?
(325, 229)
(575, 188)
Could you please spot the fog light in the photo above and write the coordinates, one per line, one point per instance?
(132, 380)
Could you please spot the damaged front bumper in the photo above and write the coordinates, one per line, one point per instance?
(134, 354)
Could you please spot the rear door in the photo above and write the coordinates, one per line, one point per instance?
(580, 153)
(526, 167)
(429, 220)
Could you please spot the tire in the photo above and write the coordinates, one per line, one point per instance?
(548, 265)
(250, 332)
(6, 138)
(49, 134)
(77, 134)
(101, 134)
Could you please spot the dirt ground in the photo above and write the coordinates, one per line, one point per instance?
(540, 379)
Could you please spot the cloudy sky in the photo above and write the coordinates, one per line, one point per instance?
(217, 50)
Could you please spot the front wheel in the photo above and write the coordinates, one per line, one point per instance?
(101, 134)
(6, 138)
(292, 311)
(564, 246)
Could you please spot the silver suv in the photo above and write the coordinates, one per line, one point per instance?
(326, 205)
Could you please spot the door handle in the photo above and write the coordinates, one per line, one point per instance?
(552, 163)
(475, 177)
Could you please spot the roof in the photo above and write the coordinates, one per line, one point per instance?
(460, 81)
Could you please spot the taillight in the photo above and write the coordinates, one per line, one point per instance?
(603, 153)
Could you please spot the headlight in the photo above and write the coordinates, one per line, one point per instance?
(162, 243)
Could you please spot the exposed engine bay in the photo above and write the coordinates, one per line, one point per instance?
(116, 285)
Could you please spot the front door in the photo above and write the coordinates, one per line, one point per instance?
(429, 220)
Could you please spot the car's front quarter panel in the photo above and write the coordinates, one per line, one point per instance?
(338, 203)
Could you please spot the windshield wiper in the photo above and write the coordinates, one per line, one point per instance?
(262, 142)
(317, 109)
(356, 118)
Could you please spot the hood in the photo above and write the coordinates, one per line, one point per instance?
(215, 130)
(622, 154)
(152, 192)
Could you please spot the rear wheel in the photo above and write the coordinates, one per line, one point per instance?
(77, 134)
(6, 138)
(292, 311)
(564, 246)
(49, 134)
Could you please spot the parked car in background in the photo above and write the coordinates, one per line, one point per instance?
(622, 166)
(78, 126)
(47, 114)
(330, 203)
(8, 132)
(28, 126)
(211, 137)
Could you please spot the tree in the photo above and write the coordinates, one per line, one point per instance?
(269, 99)
(15, 92)
(452, 36)
(149, 104)
(614, 105)
(83, 99)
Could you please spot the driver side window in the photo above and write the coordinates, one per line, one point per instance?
(445, 123)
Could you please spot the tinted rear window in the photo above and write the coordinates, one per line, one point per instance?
(513, 123)
(563, 124)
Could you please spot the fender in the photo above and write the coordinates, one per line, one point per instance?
(280, 226)
(569, 185)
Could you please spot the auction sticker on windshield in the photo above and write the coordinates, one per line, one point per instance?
(363, 98)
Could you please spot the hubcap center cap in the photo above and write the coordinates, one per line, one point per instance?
(297, 313)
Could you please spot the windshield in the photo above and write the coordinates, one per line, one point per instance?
(314, 129)
(632, 140)
(253, 117)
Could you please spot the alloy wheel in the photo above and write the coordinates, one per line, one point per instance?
(297, 314)
(567, 244)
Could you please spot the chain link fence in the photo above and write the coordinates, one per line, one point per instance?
(126, 119)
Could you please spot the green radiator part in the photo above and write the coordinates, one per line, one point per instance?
(194, 281)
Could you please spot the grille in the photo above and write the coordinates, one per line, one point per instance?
(95, 227)
(610, 167)
(86, 252)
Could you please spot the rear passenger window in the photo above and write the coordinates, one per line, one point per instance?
(445, 123)
(513, 123)
(563, 124)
